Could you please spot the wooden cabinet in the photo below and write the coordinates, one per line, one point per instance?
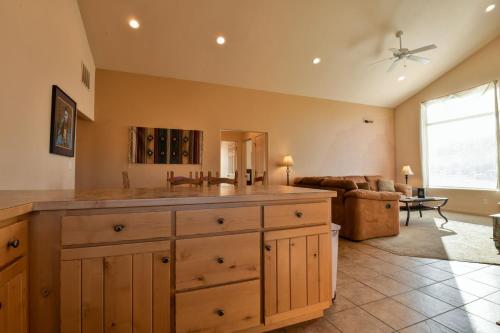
(206, 261)
(13, 298)
(101, 228)
(116, 288)
(294, 215)
(13, 242)
(227, 308)
(204, 221)
(297, 272)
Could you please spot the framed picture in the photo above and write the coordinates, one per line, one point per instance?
(421, 192)
(62, 123)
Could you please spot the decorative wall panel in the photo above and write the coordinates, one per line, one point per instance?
(165, 146)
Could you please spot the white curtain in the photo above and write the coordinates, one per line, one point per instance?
(460, 136)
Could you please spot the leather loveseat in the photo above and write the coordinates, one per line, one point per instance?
(362, 213)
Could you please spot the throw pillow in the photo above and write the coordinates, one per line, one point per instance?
(385, 185)
(363, 186)
(347, 185)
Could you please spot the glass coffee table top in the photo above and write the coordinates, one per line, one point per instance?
(441, 201)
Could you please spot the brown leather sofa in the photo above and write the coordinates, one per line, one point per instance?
(362, 213)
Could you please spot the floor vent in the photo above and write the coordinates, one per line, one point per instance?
(85, 76)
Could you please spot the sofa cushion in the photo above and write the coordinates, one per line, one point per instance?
(372, 195)
(311, 180)
(363, 186)
(385, 185)
(355, 179)
(372, 181)
(347, 185)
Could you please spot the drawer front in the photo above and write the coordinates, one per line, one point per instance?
(297, 214)
(13, 242)
(214, 260)
(88, 229)
(213, 220)
(219, 309)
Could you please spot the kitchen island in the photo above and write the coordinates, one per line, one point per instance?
(216, 259)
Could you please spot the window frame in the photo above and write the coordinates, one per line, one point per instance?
(424, 139)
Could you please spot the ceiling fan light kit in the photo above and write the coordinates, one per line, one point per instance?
(402, 54)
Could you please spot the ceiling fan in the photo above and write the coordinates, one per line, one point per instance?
(401, 54)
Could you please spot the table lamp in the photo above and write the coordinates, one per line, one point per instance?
(288, 162)
(406, 171)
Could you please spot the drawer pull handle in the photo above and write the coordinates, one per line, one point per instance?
(299, 214)
(220, 220)
(220, 312)
(268, 247)
(165, 260)
(13, 243)
(220, 260)
(388, 205)
(118, 227)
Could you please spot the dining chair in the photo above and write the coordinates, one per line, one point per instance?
(181, 180)
(217, 180)
(262, 178)
(125, 180)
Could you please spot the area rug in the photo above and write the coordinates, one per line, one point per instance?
(463, 238)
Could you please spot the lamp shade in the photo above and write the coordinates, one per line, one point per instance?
(288, 160)
(406, 171)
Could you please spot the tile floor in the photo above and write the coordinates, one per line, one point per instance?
(381, 292)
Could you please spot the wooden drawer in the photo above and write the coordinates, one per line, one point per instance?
(296, 214)
(220, 309)
(13, 242)
(214, 260)
(88, 229)
(203, 221)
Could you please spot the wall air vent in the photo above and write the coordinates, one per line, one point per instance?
(85, 76)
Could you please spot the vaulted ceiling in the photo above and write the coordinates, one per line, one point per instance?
(270, 44)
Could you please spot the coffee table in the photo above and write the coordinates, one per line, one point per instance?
(418, 204)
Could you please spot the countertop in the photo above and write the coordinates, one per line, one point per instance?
(14, 203)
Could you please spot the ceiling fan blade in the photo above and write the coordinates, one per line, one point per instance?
(379, 61)
(422, 49)
(393, 65)
(421, 60)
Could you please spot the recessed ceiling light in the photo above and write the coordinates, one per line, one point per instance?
(316, 60)
(221, 40)
(134, 24)
(401, 78)
(490, 8)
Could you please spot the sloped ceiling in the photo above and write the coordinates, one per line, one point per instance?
(271, 43)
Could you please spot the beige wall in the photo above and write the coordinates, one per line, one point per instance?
(482, 67)
(325, 137)
(43, 43)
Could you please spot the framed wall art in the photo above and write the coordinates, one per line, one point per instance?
(62, 123)
(165, 146)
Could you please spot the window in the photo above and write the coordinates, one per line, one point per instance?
(460, 145)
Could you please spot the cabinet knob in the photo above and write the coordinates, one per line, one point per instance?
(13, 243)
(388, 205)
(268, 247)
(220, 260)
(165, 260)
(220, 220)
(118, 227)
(220, 312)
(298, 213)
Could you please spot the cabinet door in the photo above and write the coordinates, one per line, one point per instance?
(13, 298)
(118, 288)
(297, 272)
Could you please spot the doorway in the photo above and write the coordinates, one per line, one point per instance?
(245, 152)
